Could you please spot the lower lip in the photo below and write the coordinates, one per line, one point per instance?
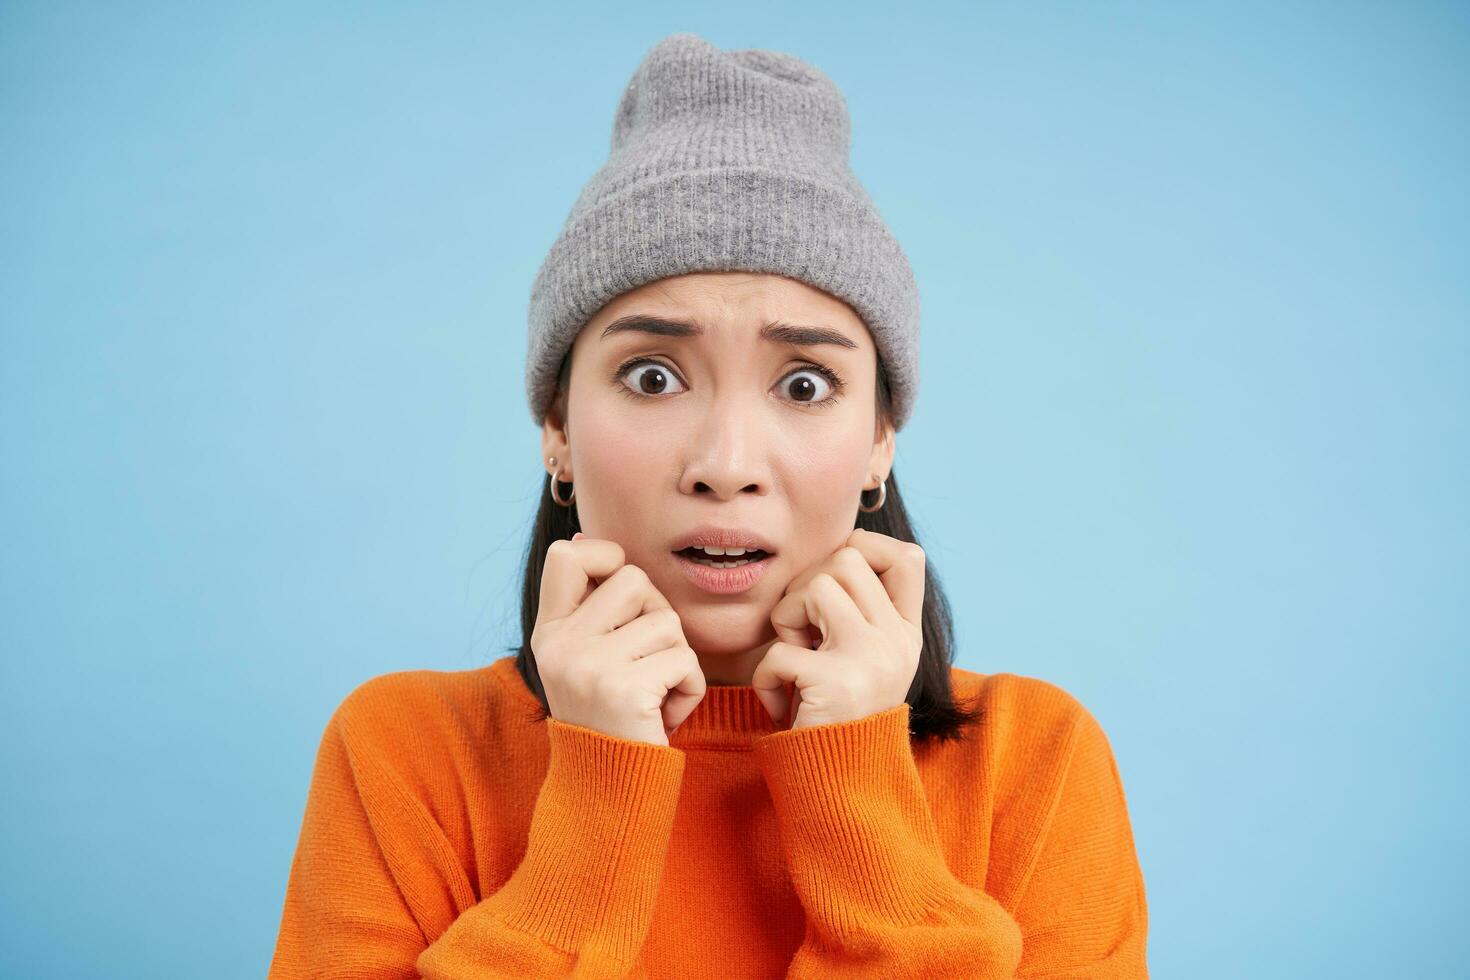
(723, 581)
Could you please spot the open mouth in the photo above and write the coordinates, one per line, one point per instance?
(699, 556)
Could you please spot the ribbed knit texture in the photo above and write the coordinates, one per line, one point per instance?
(725, 161)
(447, 836)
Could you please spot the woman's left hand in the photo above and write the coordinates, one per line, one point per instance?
(866, 600)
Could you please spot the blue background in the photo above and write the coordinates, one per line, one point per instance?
(1189, 443)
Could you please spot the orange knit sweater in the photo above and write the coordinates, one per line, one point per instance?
(447, 836)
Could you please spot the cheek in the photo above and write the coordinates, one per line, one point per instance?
(615, 467)
(828, 476)
(823, 494)
(622, 480)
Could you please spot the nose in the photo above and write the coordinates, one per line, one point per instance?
(728, 452)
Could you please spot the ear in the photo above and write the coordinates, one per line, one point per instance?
(881, 460)
(555, 442)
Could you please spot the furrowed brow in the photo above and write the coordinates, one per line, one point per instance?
(777, 332)
(800, 336)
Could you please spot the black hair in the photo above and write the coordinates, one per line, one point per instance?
(933, 711)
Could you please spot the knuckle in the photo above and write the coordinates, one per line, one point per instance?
(670, 625)
(634, 572)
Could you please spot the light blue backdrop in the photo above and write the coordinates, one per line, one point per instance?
(1191, 431)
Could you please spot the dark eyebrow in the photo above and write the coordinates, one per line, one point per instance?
(776, 332)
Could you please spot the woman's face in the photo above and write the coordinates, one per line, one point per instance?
(721, 425)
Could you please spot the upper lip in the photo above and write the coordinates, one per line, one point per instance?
(723, 537)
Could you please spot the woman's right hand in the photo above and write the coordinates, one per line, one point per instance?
(609, 648)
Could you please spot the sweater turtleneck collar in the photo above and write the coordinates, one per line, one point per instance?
(729, 716)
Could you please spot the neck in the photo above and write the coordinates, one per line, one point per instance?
(725, 669)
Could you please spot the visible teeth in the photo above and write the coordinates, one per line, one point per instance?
(732, 552)
(723, 564)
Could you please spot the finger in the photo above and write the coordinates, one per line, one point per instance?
(568, 570)
(836, 614)
(784, 664)
(791, 623)
(849, 566)
(789, 617)
(900, 567)
(622, 598)
(676, 670)
(807, 574)
(651, 632)
(823, 605)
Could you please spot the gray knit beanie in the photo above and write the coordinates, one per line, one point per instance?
(725, 161)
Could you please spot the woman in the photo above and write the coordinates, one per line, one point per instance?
(731, 743)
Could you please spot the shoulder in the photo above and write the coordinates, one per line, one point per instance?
(1058, 815)
(416, 739)
(424, 693)
(1033, 731)
(411, 718)
(401, 697)
(1020, 702)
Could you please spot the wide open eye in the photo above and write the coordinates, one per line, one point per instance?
(649, 378)
(807, 385)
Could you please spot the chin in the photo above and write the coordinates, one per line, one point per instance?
(726, 630)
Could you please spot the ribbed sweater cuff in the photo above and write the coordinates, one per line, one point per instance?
(856, 827)
(598, 840)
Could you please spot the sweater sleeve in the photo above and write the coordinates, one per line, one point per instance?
(581, 901)
(865, 859)
(1083, 911)
(359, 903)
(344, 914)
